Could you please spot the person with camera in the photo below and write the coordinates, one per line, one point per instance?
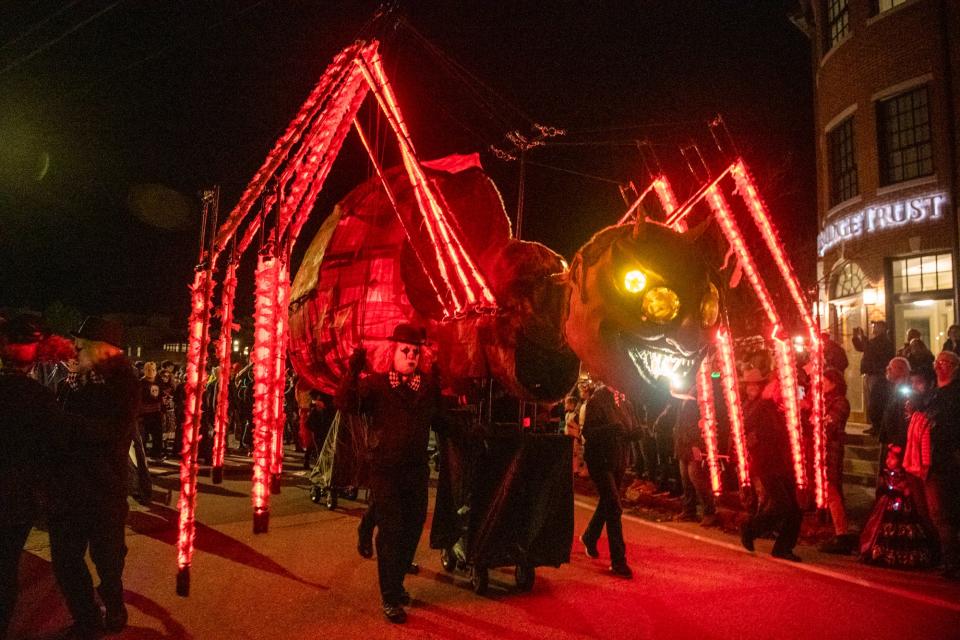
(877, 351)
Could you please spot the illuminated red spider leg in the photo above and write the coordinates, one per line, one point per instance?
(341, 64)
(731, 394)
(200, 293)
(784, 353)
(280, 379)
(684, 210)
(708, 422)
(357, 91)
(428, 222)
(668, 200)
(636, 205)
(264, 364)
(311, 165)
(746, 188)
(466, 271)
(391, 196)
(224, 351)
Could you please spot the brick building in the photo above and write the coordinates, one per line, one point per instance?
(887, 87)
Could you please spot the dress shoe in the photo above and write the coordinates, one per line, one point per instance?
(413, 569)
(787, 555)
(115, 621)
(622, 570)
(394, 613)
(590, 548)
(746, 537)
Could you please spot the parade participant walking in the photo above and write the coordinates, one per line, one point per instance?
(28, 426)
(604, 433)
(401, 406)
(89, 500)
(836, 413)
(768, 452)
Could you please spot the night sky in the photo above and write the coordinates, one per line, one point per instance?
(113, 115)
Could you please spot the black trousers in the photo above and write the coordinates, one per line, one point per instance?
(399, 509)
(12, 538)
(102, 531)
(779, 510)
(151, 425)
(606, 472)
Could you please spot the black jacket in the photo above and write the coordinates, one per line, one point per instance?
(399, 418)
(944, 411)
(768, 446)
(29, 424)
(877, 353)
(92, 471)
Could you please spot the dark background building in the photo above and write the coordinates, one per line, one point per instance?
(886, 76)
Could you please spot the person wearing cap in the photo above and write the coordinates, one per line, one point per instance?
(29, 424)
(88, 506)
(768, 454)
(401, 404)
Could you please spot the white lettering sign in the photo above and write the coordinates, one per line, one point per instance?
(885, 216)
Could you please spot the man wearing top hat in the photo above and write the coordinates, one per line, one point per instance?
(401, 405)
(89, 501)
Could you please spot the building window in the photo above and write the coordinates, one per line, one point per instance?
(879, 6)
(838, 22)
(842, 162)
(848, 282)
(906, 150)
(923, 273)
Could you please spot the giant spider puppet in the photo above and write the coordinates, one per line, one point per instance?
(429, 243)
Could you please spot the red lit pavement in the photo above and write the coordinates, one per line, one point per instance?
(304, 579)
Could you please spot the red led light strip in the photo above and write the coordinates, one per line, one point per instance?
(196, 357)
(278, 155)
(786, 372)
(472, 283)
(731, 394)
(263, 358)
(391, 196)
(224, 352)
(708, 422)
(747, 189)
(280, 372)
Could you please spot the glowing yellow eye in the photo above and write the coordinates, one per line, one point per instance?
(661, 305)
(710, 307)
(634, 281)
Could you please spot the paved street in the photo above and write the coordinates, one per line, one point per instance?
(304, 579)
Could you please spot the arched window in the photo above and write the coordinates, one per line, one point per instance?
(848, 281)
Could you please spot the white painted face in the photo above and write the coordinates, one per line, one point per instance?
(406, 358)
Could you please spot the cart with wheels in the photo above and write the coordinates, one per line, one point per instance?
(340, 466)
(504, 501)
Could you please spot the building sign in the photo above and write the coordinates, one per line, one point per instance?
(879, 218)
